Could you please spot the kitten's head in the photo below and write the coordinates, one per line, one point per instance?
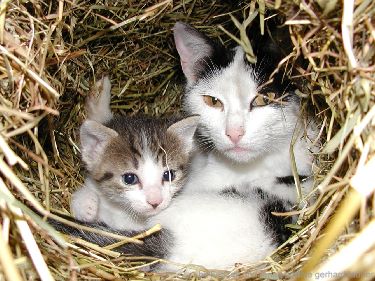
(241, 116)
(138, 163)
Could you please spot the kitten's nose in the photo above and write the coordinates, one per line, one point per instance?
(155, 202)
(154, 205)
(153, 195)
(235, 134)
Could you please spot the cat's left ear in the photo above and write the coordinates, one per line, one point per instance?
(95, 138)
(193, 47)
(184, 130)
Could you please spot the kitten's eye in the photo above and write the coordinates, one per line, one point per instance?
(130, 179)
(262, 100)
(213, 102)
(169, 175)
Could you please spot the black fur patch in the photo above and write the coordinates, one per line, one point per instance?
(289, 180)
(220, 58)
(272, 223)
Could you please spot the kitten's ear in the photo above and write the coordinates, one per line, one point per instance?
(98, 102)
(184, 130)
(94, 139)
(192, 46)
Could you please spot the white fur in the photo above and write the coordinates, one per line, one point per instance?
(214, 231)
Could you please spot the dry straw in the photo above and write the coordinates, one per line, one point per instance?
(52, 51)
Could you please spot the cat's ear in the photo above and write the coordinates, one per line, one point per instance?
(184, 130)
(193, 47)
(98, 102)
(94, 139)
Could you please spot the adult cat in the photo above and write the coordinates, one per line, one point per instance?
(247, 123)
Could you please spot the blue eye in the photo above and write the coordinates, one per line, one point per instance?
(130, 179)
(169, 175)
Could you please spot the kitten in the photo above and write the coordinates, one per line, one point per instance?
(247, 122)
(135, 164)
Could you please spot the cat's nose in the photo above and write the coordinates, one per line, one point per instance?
(154, 203)
(235, 134)
(153, 194)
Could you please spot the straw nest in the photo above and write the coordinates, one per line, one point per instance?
(52, 51)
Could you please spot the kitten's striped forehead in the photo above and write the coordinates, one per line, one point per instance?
(145, 147)
(151, 142)
(152, 147)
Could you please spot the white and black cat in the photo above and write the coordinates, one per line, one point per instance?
(135, 164)
(247, 121)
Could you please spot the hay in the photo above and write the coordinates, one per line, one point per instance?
(51, 52)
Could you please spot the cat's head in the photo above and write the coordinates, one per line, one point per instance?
(242, 116)
(138, 163)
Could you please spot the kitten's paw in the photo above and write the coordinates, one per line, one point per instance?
(85, 205)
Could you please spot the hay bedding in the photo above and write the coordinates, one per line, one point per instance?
(51, 52)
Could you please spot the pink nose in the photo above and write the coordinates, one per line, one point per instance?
(153, 195)
(235, 134)
(155, 202)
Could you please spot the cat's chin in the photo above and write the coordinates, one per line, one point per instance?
(239, 154)
(147, 211)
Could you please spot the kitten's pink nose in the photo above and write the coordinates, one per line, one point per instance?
(235, 134)
(153, 195)
(155, 202)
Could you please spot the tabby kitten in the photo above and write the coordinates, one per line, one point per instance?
(135, 164)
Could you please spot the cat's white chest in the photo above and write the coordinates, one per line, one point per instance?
(211, 172)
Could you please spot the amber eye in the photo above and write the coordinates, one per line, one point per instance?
(263, 99)
(213, 102)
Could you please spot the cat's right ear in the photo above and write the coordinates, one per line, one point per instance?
(193, 47)
(94, 139)
(184, 130)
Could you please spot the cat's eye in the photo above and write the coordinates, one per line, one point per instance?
(169, 175)
(263, 99)
(130, 179)
(213, 102)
